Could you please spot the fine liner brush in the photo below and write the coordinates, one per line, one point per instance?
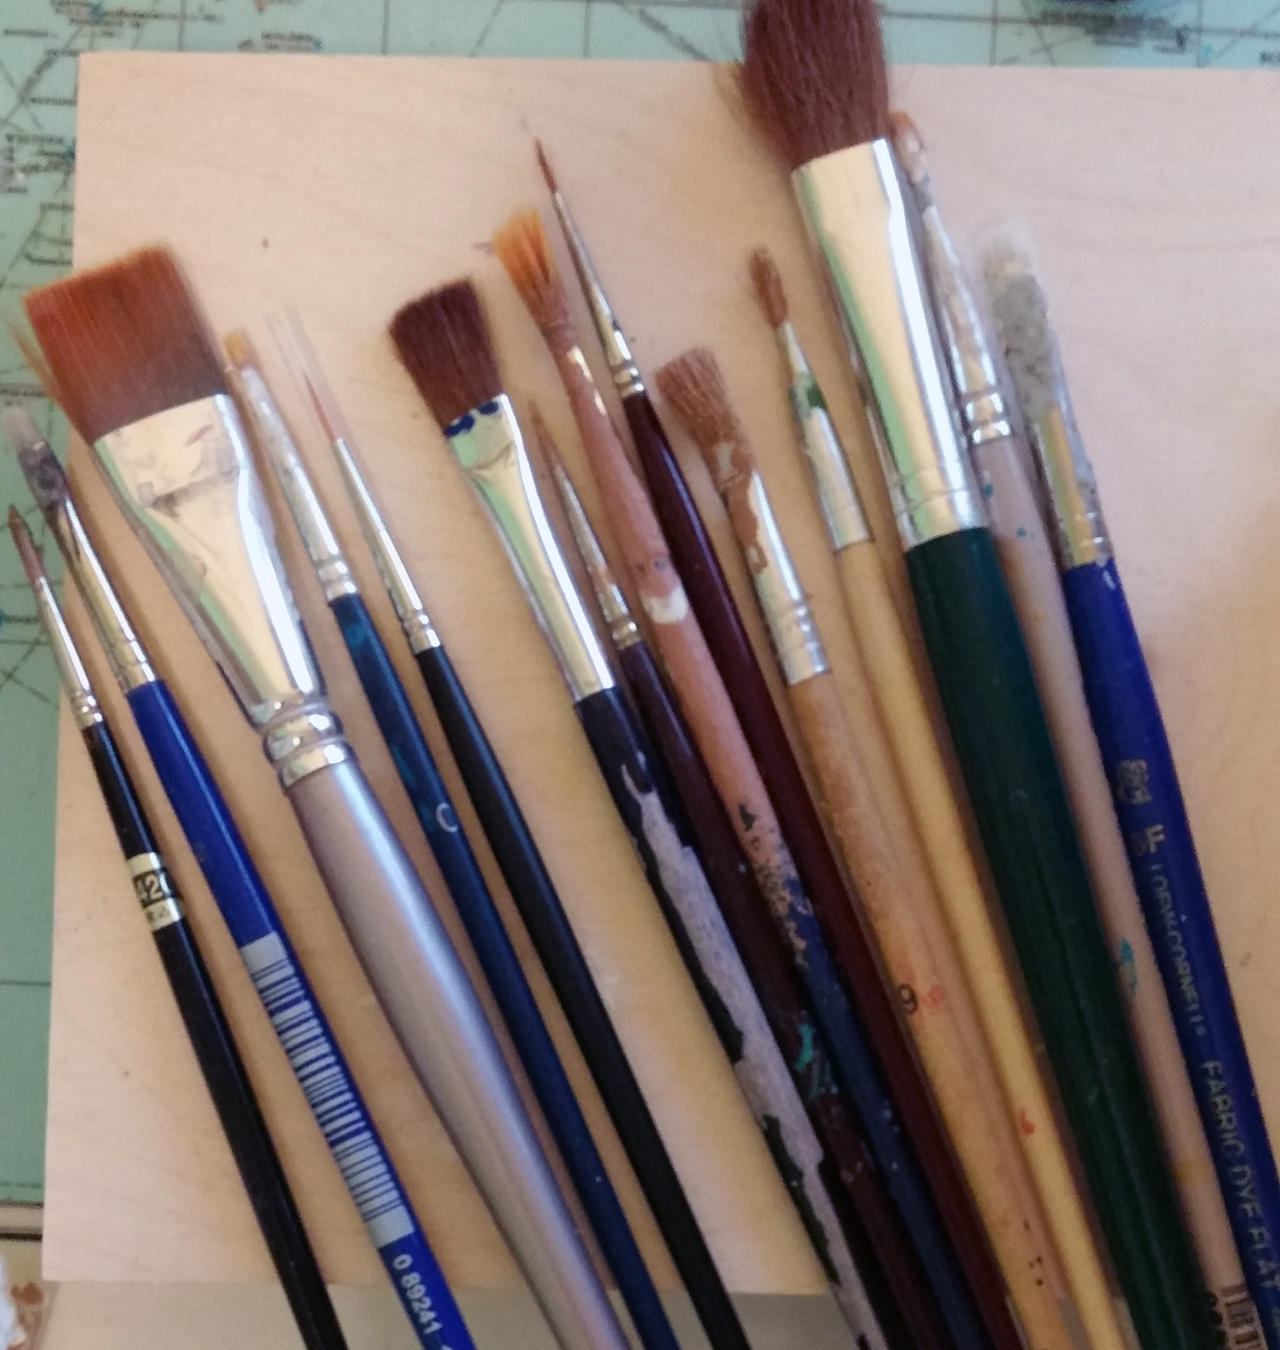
(513, 844)
(848, 1260)
(826, 904)
(901, 699)
(250, 915)
(1148, 800)
(894, 887)
(815, 82)
(193, 990)
(452, 851)
(139, 378)
(443, 340)
(999, 454)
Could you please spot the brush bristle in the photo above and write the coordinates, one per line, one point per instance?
(909, 147)
(124, 342)
(813, 75)
(443, 341)
(32, 563)
(543, 440)
(767, 280)
(694, 387)
(44, 475)
(240, 350)
(524, 250)
(548, 173)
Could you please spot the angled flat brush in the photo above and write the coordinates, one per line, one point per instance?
(815, 82)
(452, 851)
(193, 991)
(141, 381)
(250, 915)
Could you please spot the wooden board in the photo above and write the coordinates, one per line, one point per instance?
(346, 186)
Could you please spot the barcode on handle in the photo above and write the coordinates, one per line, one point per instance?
(329, 1091)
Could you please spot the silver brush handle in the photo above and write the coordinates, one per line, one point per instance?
(433, 1010)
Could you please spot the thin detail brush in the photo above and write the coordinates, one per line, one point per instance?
(820, 912)
(815, 82)
(1139, 768)
(144, 384)
(250, 915)
(193, 991)
(451, 849)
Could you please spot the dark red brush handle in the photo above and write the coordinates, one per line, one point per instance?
(713, 603)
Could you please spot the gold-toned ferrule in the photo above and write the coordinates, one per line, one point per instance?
(275, 440)
(864, 226)
(489, 447)
(624, 632)
(617, 351)
(842, 511)
(71, 669)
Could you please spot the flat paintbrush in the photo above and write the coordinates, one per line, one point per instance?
(193, 991)
(815, 82)
(141, 381)
(250, 915)
(451, 849)
(1144, 784)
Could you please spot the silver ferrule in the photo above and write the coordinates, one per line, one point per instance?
(623, 629)
(617, 352)
(409, 608)
(842, 511)
(490, 449)
(185, 480)
(71, 670)
(861, 221)
(276, 441)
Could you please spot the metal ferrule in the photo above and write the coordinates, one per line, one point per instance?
(623, 629)
(71, 670)
(617, 352)
(858, 214)
(842, 511)
(275, 439)
(490, 449)
(404, 595)
(185, 481)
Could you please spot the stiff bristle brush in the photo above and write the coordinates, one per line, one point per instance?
(815, 83)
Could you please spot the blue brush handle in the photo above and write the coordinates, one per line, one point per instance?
(298, 1021)
(462, 875)
(1162, 856)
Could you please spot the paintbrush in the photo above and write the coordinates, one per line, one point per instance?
(193, 991)
(1140, 770)
(1001, 457)
(903, 705)
(815, 82)
(451, 849)
(894, 887)
(849, 1258)
(250, 915)
(831, 952)
(141, 381)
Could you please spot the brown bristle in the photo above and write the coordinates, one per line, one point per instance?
(767, 280)
(124, 341)
(443, 341)
(524, 250)
(32, 563)
(544, 164)
(813, 75)
(240, 350)
(547, 449)
(695, 388)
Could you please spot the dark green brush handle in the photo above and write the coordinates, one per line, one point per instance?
(992, 706)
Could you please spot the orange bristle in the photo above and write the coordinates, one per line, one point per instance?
(694, 387)
(124, 342)
(524, 250)
(240, 350)
(443, 341)
(813, 75)
(767, 280)
(32, 563)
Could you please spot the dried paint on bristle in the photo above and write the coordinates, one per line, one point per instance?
(32, 563)
(443, 341)
(39, 465)
(544, 164)
(240, 350)
(524, 250)
(813, 75)
(694, 387)
(124, 342)
(767, 280)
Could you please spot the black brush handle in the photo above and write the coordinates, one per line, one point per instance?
(220, 1063)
